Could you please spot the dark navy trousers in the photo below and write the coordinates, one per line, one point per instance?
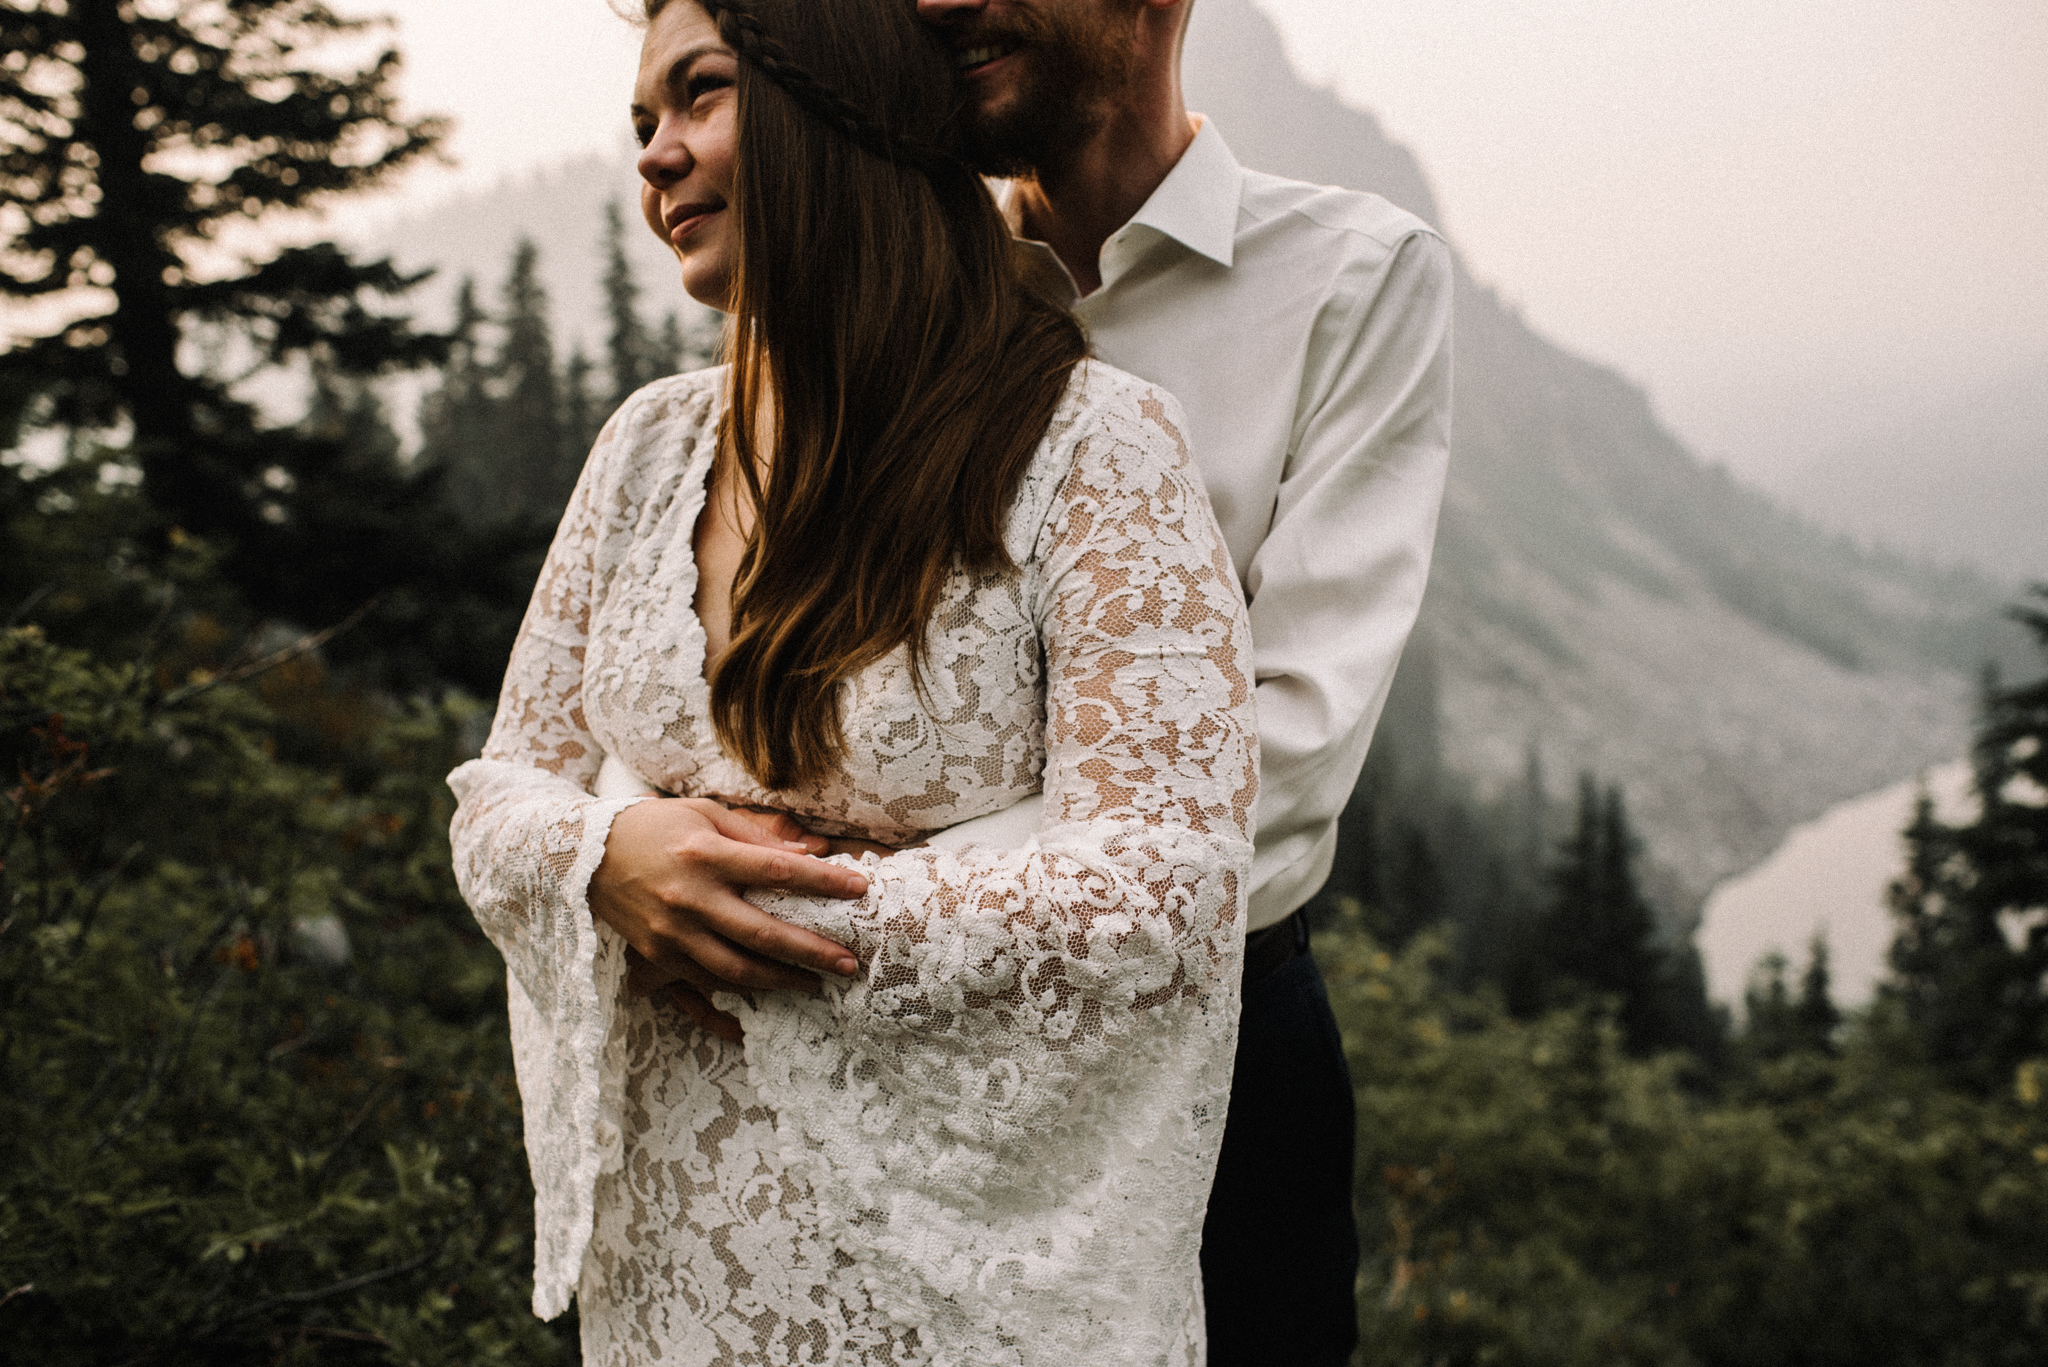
(1280, 1247)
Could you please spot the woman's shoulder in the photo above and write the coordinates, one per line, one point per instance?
(692, 396)
(661, 426)
(1111, 430)
(1111, 416)
(1099, 395)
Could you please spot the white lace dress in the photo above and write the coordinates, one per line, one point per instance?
(995, 1144)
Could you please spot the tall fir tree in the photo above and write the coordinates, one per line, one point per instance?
(137, 140)
(1780, 1023)
(532, 458)
(632, 354)
(458, 419)
(1815, 1014)
(1600, 933)
(1970, 959)
(581, 414)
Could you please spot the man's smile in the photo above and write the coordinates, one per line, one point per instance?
(970, 60)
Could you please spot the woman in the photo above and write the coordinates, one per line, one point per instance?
(906, 560)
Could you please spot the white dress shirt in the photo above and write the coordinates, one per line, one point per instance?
(1306, 331)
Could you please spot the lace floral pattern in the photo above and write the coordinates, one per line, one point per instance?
(994, 1145)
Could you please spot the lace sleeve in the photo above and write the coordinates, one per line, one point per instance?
(527, 836)
(1010, 1119)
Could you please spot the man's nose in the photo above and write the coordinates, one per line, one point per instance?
(942, 11)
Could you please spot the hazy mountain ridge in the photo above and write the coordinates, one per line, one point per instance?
(1990, 505)
(561, 209)
(1598, 590)
(1601, 593)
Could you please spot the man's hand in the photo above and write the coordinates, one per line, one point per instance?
(670, 884)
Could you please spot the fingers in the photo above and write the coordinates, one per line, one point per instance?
(712, 964)
(704, 1015)
(772, 830)
(742, 926)
(758, 866)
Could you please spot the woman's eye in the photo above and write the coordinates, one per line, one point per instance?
(700, 86)
(643, 133)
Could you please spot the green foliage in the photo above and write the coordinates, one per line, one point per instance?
(1779, 1024)
(1598, 934)
(1530, 1193)
(1970, 962)
(1539, 911)
(256, 1101)
(190, 118)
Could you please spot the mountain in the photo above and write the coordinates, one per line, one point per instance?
(561, 209)
(1599, 593)
(1990, 505)
(1602, 595)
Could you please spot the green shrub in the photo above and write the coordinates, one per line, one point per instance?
(1530, 1194)
(256, 1101)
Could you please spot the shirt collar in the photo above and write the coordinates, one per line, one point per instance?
(1196, 205)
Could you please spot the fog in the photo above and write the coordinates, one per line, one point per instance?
(1797, 225)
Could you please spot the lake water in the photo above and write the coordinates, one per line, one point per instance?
(1828, 875)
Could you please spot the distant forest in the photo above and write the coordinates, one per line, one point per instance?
(256, 1094)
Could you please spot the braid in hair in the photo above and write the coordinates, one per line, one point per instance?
(743, 32)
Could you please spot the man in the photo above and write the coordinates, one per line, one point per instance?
(1306, 333)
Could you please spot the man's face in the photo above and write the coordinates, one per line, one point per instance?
(1039, 77)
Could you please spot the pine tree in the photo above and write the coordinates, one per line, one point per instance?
(1816, 1017)
(675, 350)
(1600, 934)
(1970, 959)
(458, 419)
(134, 139)
(634, 357)
(1780, 1024)
(581, 418)
(532, 456)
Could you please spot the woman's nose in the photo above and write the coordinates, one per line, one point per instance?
(665, 159)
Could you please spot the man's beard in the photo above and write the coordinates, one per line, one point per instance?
(1072, 65)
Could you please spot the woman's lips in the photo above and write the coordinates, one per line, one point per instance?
(687, 220)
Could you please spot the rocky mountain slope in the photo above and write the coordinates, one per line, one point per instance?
(1599, 593)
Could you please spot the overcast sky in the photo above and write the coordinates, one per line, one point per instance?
(1795, 221)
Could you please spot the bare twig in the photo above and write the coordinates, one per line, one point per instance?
(21, 610)
(24, 1289)
(303, 646)
(101, 886)
(340, 1288)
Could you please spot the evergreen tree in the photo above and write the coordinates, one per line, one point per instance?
(1601, 934)
(532, 466)
(1971, 953)
(581, 418)
(677, 351)
(458, 420)
(133, 139)
(634, 357)
(1780, 1024)
(1816, 1016)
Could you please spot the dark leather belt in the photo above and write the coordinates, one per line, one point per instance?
(1267, 951)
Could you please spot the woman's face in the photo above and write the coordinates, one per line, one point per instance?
(685, 115)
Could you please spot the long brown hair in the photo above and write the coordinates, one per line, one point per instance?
(881, 320)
